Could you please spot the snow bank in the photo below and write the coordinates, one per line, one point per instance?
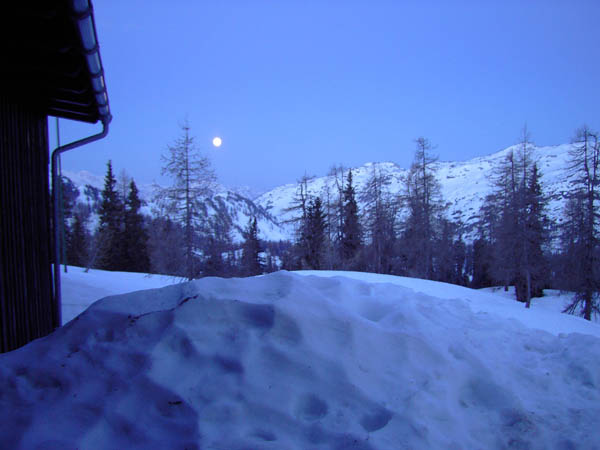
(80, 288)
(294, 361)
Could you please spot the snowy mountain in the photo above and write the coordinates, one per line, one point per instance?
(231, 205)
(319, 360)
(464, 187)
(464, 184)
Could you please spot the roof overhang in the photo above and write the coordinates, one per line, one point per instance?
(51, 60)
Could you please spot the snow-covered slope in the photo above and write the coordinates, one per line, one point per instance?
(323, 360)
(464, 184)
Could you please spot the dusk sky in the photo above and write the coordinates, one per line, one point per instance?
(298, 86)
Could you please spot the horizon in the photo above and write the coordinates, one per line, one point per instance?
(253, 190)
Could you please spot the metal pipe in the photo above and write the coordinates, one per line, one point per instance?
(57, 225)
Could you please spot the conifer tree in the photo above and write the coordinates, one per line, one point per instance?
(135, 240)
(251, 261)
(109, 233)
(533, 274)
(351, 234)
(313, 235)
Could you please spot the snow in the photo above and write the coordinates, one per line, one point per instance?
(80, 288)
(324, 360)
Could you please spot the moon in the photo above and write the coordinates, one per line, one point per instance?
(217, 141)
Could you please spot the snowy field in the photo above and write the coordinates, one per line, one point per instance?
(304, 360)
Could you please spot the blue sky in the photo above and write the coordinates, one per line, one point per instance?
(294, 87)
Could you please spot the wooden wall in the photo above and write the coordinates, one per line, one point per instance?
(27, 308)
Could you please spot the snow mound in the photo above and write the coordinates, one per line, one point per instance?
(290, 361)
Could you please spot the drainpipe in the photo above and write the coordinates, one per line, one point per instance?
(57, 225)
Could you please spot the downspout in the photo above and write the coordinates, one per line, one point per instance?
(84, 18)
(57, 225)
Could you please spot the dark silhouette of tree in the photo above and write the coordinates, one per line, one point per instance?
(580, 231)
(517, 224)
(217, 260)
(78, 241)
(166, 246)
(110, 220)
(423, 199)
(482, 251)
(295, 258)
(135, 239)
(350, 227)
(313, 235)
(449, 257)
(193, 179)
(251, 248)
(535, 236)
(380, 210)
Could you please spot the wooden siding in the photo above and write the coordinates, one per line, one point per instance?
(27, 308)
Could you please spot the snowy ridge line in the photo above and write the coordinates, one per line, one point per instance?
(464, 186)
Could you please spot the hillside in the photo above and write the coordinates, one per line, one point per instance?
(324, 360)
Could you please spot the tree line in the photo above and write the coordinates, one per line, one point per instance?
(409, 234)
(403, 233)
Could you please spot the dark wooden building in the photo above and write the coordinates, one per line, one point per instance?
(49, 66)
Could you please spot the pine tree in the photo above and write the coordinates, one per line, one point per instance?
(109, 233)
(251, 261)
(135, 241)
(313, 235)
(351, 234)
(535, 235)
(193, 179)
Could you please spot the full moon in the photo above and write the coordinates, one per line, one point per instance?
(217, 141)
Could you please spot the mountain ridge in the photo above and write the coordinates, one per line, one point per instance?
(464, 186)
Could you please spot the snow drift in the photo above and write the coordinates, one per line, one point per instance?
(297, 361)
